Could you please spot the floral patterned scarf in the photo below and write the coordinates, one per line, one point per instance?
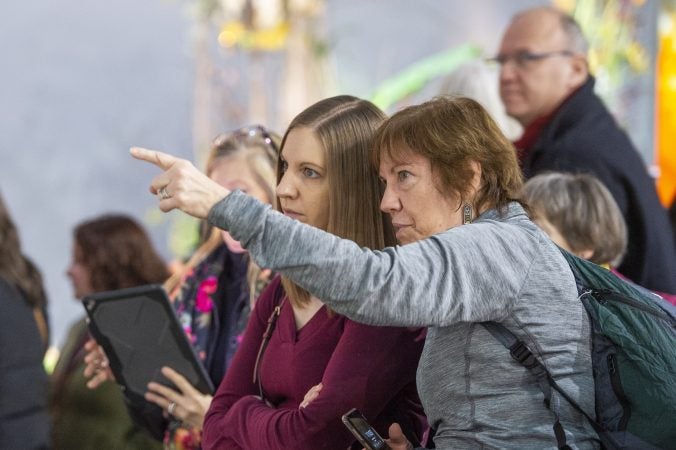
(196, 305)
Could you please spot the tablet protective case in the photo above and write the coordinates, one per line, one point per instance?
(139, 332)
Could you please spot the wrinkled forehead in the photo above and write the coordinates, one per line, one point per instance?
(393, 151)
(396, 154)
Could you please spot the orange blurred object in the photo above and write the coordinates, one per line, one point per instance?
(666, 114)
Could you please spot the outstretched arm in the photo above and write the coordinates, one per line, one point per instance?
(469, 273)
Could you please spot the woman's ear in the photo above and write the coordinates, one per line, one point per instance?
(476, 178)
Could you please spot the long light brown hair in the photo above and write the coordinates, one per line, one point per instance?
(453, 132)
(259, 147)
(344, 125)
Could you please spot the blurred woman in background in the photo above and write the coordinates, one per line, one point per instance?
(581, 216)
(109, 252)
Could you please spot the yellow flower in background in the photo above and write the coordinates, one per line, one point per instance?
(270, 39)
(637, 57)
(610, 32)
(231, 34)
(261, 25)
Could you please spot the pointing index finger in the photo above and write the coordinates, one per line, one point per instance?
(162, 160)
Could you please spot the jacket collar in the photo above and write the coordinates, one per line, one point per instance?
(512, 211)
(565, 116)
(570, 110)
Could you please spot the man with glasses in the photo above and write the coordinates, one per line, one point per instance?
(545, 84)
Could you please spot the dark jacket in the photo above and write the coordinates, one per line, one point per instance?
(24, 420)
(582, 136)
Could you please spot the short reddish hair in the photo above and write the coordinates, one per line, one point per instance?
(451, 132)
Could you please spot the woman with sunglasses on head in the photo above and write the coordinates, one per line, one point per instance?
(215, 292)
(302, 366)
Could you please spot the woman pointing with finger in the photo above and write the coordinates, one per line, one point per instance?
(451, 186)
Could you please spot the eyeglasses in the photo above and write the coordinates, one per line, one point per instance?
(250, 132)
(525, 59)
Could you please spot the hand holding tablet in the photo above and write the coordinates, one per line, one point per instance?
(140, 335)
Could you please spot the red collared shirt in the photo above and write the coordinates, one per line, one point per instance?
(531, 133)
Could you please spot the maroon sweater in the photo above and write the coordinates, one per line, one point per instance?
(369, 368)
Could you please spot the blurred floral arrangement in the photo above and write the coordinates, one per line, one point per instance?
(616, 58)
(615, 55)
(256, 25)
(256, 61)
(249, 35)
(253, 31)
(614, 52)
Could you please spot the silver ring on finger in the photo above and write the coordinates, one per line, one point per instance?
(171, 408)
(163, 194)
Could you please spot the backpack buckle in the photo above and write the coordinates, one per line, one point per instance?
(520, 353)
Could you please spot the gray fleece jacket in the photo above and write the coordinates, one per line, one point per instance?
(499, 268)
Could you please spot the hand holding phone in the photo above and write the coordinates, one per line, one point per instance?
(365, 433)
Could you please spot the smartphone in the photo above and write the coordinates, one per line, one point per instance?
(365, 434)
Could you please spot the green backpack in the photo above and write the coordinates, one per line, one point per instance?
(633, 359)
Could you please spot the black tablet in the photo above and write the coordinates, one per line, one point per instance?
(139, 331)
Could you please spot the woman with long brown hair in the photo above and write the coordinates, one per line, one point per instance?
(290, 384)
(109, 252)
(24, 422)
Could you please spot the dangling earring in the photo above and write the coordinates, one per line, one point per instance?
(467, 213)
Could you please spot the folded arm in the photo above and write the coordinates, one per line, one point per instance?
(361, 373)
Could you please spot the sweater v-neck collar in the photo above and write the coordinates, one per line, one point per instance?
(288, 330)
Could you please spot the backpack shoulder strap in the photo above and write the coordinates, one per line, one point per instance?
(520, 352)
